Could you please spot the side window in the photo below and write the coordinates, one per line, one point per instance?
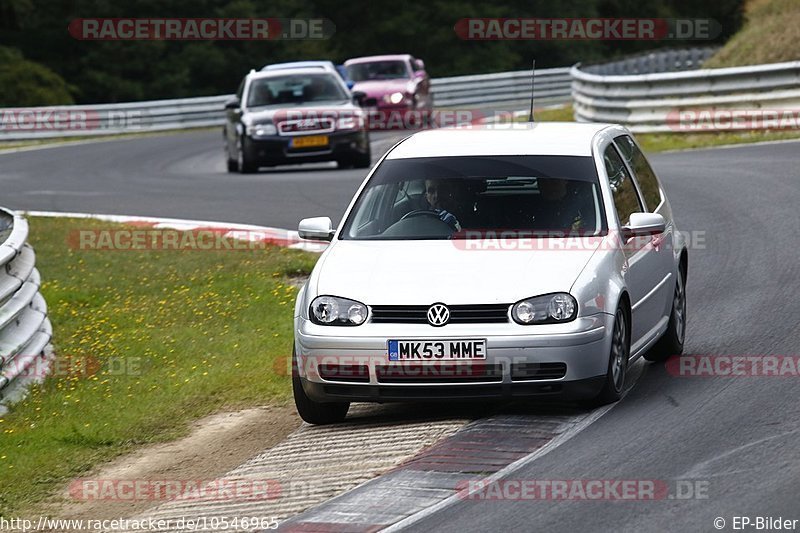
(626, 199)
(240, 90)
(642, 170)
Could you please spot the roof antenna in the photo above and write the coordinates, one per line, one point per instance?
(533, 87)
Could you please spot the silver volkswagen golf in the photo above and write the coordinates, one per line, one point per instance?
(531, 261)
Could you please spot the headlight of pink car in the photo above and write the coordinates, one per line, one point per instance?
(394, 98)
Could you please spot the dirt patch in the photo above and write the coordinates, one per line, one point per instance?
(215, 445)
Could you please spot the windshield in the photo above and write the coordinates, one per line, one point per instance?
(451, 197)
(295, 89)
(378, 70)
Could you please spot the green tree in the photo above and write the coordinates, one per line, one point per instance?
(24, 83)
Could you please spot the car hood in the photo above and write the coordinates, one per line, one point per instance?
(377, 88)
(424, 272)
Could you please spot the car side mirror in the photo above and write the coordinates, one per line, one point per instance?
(316, 229)
(233, 103)
(358, 97)
(641, 224)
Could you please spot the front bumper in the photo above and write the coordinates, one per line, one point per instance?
(581, 348)
(332, 392)
(276, 149)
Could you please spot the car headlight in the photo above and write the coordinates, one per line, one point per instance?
(335, 311)
(394, 98)
(348, 123)
(546, 309)
(261, 130)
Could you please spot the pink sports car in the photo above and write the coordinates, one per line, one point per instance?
(391, 83)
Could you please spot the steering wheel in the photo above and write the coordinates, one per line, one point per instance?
(420, 213)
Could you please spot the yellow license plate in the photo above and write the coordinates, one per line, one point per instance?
(310, 140)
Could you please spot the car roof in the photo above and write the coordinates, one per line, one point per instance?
(540, 138)
(388, 57)
(300, 64)
(288, 71)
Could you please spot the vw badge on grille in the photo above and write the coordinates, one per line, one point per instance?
(438, 315)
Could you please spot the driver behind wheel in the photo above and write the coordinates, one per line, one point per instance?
(440, 198)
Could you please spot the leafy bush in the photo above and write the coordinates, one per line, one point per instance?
(25, 83)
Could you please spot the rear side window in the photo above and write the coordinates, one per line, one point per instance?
(626, 199)
(648, 182)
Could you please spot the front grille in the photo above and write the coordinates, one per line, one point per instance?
(306, 126)
(441, 373)
(459, 314)
(344, 373)
(536, 371)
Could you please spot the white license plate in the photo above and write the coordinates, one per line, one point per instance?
(432, 350)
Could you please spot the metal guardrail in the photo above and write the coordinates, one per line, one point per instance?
(552, 85)
(25, 330)
(110, 119)
(669, 60)
(750, 97)
(650, 92)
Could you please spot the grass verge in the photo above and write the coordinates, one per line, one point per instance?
(771, 34)
(660, 142)
(162, 338)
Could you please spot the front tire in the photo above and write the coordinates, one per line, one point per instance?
(363, 160)
(245, 163)
(355, 160)
(232, 163)
(617, 361)
(671, 343)
(313, 412)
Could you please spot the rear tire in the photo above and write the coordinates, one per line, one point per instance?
(671, 342)
(319, 413)
(617, 361)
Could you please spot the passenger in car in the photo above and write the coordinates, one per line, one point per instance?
(560, 207)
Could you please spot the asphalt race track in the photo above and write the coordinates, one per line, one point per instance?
(740, 435)
(180, 176)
